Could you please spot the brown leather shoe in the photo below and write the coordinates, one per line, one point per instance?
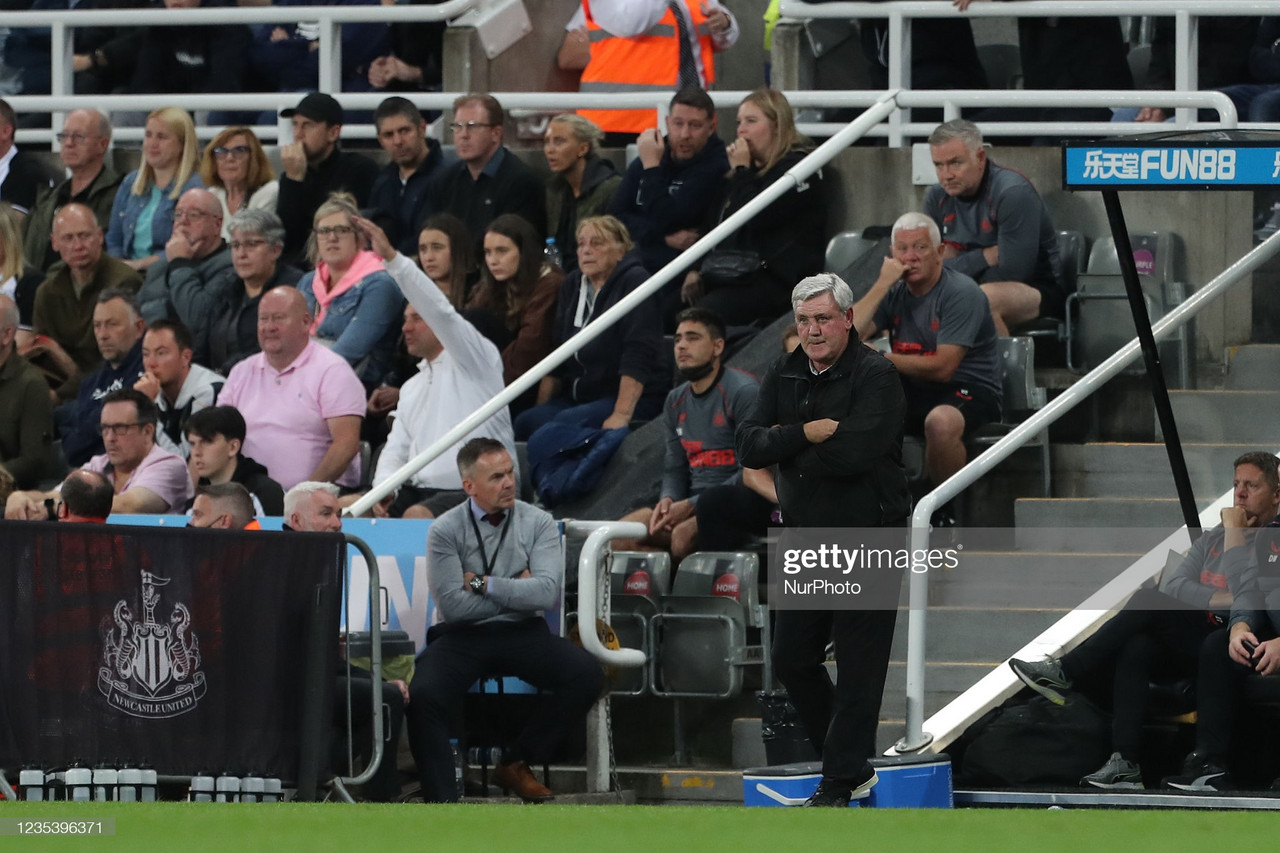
(517, 778)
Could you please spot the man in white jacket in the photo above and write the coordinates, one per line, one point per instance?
(460, 370)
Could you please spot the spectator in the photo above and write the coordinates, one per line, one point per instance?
(581, 182)
(257, 240)
(287, 56)
(26, 429)
(315, 166)
(18, 280)
(216, 436)
(488, 180)
(414, 60)
(669, 191)
(489, 621)
(354, 301)
(316, 436)
(612, 380)
(517, 297)
(1260, 100)
(21, 177)
(103, 58)
(459, 372)
(147, 479)
(646, 45)
(943, 343)
(700, 416)
(995, 228)
(63, 316)
(148, 195)
(445, 254)
(402, 189)
(1160, 634)
(177, 387)
(84, 497)
(312, 507)
(236, 170)
(226, 506)
(191, 59)
(83, 145)
(943, 53)
(188, 282)
(117, 329)
(788, 237)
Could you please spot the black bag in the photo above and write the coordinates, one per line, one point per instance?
(725, 267)
(1036, 743)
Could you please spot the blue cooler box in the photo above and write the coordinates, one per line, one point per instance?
(906, 781)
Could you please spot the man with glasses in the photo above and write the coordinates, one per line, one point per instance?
(188, 282)
(403, 189)
(489, 180)
(315, 167)
(146, 478)
(83, 144)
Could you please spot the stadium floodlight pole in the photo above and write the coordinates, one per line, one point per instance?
(794, 177)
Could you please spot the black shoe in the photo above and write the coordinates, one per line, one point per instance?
(1044, 677)
(1201, 774)
(838, 792)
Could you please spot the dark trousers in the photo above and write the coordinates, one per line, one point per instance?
(455, 659)
(1221, 681)
(841, 719)
(1154, 638)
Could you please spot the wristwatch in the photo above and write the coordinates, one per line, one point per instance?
(477, 584)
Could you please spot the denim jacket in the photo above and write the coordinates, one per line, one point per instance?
(363, 324)
(126, 209)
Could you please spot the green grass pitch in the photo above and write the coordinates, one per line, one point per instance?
(283, 828)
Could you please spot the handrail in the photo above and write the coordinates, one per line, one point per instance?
(794, 177)
(598, 533)
(375, 664)
(916, 738)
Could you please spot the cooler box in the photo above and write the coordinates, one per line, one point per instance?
(906, 781)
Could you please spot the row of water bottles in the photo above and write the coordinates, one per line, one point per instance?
(78, 783)
(234, 789)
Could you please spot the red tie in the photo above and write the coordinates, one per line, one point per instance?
(494, 518)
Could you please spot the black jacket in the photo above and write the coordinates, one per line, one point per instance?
(514, 188)
(298, 200)
(233, 328)
(856, 477)
(406, 204)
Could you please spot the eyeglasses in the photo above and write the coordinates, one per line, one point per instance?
(237, 245)
(458, 127)
(334, 231)
(190, 214)
(73, 138)
(115, 429)
(239, 152)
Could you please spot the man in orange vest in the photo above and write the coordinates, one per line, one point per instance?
(644, 45)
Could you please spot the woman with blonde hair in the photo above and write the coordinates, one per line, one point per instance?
(749, 276)
(236, 170)
(142, 213)
(18, 281)
(581, 183)
(354, 301)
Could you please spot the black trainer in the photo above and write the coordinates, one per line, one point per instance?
(1201, 774)
(838, 792)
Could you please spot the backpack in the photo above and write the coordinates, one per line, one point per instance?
(1036, 743)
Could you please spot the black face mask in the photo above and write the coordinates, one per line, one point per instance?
(698, 371)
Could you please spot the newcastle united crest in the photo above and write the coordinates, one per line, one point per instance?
(150, 669)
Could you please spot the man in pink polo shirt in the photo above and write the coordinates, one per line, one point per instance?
(146, 478)
(302, 404)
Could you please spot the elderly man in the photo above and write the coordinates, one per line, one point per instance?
(21, 177)
(145, 477)
(830, 417)
(257, 239)
(187, 283)
(995, 228)
(488, 180)
(402, 190)
(303, 405)
(26, 428)
(943, 342)
(177, 387)
(83, 145)
(460, 371)
(314, 167)
(494, 567)
(63, 317)
(226, 506)
(118, 329)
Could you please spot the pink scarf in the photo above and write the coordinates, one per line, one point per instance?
(364, 264)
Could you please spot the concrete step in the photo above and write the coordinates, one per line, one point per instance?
(1226, 416)
(1134, 470)
(943, 682)
(1027, 580)
(1083, 524)
(967, 634)
(1252, 366)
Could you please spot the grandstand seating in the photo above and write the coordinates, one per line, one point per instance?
(639, 581)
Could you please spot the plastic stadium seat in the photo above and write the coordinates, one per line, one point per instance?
(639, 580)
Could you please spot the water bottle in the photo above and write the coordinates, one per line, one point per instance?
(128, 784)
(79, 782)
(552, 253)
(105, 780)
(271, 790)
(228, 788)
(489, 756)
(31, 784)
(252, 789)
(148, 788)
(457, 765)
(201, 789)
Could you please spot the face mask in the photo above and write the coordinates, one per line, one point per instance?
(697, 372)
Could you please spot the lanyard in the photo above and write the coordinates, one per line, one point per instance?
(484, 557)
